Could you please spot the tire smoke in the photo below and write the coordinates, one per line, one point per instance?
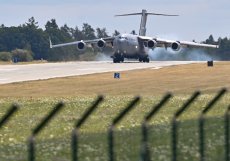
(182, 55)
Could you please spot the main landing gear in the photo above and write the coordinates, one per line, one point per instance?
(118, 59)
(144, 59)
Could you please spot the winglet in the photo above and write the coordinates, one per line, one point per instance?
(51, 45)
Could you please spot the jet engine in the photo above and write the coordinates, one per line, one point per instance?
(176, 46)
(101, 43)
(151, 44)
(81, 46)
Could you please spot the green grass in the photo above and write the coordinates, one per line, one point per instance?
(37, 98)
(53, 143)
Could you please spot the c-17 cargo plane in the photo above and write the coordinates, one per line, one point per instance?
(134, 46)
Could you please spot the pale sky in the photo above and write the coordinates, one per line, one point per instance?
(198, 18)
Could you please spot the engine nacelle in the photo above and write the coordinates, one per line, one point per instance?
(81, 46)
(101, 43)
(151, 44)
(176, 46)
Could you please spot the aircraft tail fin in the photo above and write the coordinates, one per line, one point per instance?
(144, 14)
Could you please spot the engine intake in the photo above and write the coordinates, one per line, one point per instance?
(151, 44)
(101, 43)
(176, 46)
(81, 46)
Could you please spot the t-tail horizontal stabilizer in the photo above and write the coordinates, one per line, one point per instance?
(144, 14)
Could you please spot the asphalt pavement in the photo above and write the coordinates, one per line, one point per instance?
(19, 73)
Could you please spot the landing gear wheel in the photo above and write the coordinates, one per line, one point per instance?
(146, 60)
(141, 60)
(115, 60)
(118, 59)
(122, 59)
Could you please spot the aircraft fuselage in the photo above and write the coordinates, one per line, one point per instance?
(128, 46)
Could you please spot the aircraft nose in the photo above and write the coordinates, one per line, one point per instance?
(121, 44)
(120, 41)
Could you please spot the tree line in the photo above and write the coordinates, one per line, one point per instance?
(28, 42)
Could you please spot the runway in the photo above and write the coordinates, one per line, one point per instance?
(19, 73)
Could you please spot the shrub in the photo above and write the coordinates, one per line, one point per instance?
(22, 55)
(5, 56)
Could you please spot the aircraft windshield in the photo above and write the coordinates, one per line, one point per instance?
(122, 37)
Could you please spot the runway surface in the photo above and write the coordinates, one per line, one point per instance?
(19, 73)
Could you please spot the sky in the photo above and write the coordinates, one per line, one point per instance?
(198, 18)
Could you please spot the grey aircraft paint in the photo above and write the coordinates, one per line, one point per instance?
(135, 46)
(127, 45)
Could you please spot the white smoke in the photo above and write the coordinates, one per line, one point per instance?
(163, 54)
(198, 55)
(102, 57)
(182, 55)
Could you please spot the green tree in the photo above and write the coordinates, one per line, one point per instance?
(88, 32)
(224, 48)
(101, 33)
(32, 23)
(66, 31)
(36, 40)
(210, 40)
(51, 25)
(77, 34)
(60, 35)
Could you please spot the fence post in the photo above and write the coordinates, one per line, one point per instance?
(145, 153)
(202, 121)
(79, 123)
(227, 122)
(175, 123)
(8, 114)
(117, 119)
(38, 128)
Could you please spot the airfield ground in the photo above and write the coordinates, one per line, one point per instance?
(177, 79)
(40, 71)
(38, 97)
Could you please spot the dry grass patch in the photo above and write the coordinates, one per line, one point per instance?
(178, 79)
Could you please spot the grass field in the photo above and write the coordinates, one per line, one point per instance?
(38, 97)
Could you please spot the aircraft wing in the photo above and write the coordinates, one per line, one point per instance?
(107, 40)
(168, 43)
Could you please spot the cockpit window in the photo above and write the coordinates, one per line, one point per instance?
(122, 37)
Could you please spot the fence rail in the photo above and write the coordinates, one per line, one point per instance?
(144, 151)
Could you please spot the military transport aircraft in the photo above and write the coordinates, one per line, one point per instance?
(134, 46)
